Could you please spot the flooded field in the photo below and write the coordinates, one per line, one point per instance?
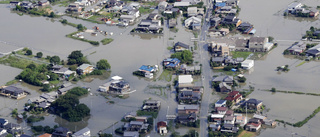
(9, 74)
(268, 20)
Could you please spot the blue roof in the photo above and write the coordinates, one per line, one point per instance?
(220, 4)
(173, 62)
(146, 68)
(221, 101)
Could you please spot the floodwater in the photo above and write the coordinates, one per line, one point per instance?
(125, 54)
(266, 16)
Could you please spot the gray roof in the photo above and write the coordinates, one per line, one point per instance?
(223, 79)
(84, 66)
(81, 132)
(130, 134)
(136, 123)
(256, 39)
(181, 45)
(13, 89)
(229, 118)
(184, 107)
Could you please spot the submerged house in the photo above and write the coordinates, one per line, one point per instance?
(119, 87)
(171, 63)
(179, 46)
(13, 92)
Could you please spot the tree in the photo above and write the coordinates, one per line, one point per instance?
(64, 21)
(55, 59)
(273, 89)
(46, 87)
(242, 79)
(32, 66)
(184, 56)
(80, 27)
(29, 52)
(52, 15)
(39, 55)
(103, 64)
(105, 135)
(76, 57)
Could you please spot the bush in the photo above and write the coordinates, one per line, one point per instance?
(39, 55)
(273, 89)
(33, 119)
(242, 79)
(29, 52)
(78, 91)
(103, 64)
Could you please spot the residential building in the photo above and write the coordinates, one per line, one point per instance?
(153, 16)
(253, 125)
(215, 21)
(253, 104)
(162, 127)
(60, 70)
(171, 63)
(13, 92)
(293, 6)
(85, 69)
(247, 64)
(148, 70)
(234, 97)
(229, 120)
(193, 23)
(45, 135)
(231, 128)
(43, 3)
(179, 46)
(119, 87)
(172, 23)
(224, 87)
(151, 105)
(130, 115)
(3, 132)
(61, 132)
(26, 5)
(224, 31)
(65, 89)
(221, 110)
(136, 126)
(181, 4)
(314, 51)
(12, 128)
(192, 11)
(257, 43)
(216, 118)
(3, 122)
(185, 79)
(193, 70)
(189, 96)
(85, 132)
(130, 134)
(219, 49)
(240, 120)
(226, 79)
(187, 109)
(187, 118)
(147, 25)
(74, 8)
(127, 18)
(162, 5)
(215, 127)
(220, 103)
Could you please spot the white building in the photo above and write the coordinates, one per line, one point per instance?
(247, 64)
(192, 11)
(162, 6)
(185, 79)
(82, 133)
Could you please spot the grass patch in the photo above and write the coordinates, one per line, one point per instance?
(16, 62)
(95, 43)
(11, 82)
(246, 134)
(5, 2)
(145, 10)
(171, 38)
(195, 34)
(94, 19)
(236, 54)
(169, 48)
(106, 41)
(166, 75)
(154, 114)
(54, 82)
(301, 63)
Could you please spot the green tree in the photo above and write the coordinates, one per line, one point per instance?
(184, 56)
(273, 89)
(39, 55)
(52, 15)
(103, 64)
(76, 57)
(242, 79)
(64, 21)
(80, 27)
(105, 135)
(46, 87)
(29, 52)
(55, 59)
(32, 66)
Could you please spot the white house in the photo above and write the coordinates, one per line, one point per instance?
(129, 18)
(192, 11)
(185, 79)
(247, 64)
(162, 6)
(220, 103)
(192, 21)
(293, 6)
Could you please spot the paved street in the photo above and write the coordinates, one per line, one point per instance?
(207, 73)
